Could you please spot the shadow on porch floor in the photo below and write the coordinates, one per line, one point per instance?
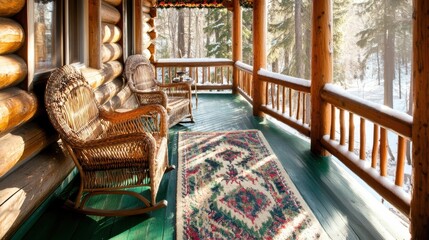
(335, 198)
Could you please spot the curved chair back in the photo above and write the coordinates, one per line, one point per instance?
(140, 73)
(71, 106)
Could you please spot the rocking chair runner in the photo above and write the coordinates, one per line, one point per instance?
(175, 97)
(112, 151)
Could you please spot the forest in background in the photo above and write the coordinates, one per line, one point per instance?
(371, 47)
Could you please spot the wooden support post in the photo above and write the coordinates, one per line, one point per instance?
(138, 27)
(259, 53)
(94, 38)
(321, 72)
(419, 214)
(237, 54)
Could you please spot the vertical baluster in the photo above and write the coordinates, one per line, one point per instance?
(272, 94)
(204, 75)
(298, 108)
(267, 94)
(221, 74)
(342, 127)
(362, 139)
(163, 75)
(351, 133)
(290, 102)
(278, 97)
(304, 107)
(383, 152)
(375, 146)
(399, 177)
(283, 99)
(333, 122)
(209, 75)
(228, 78)
(169, 74)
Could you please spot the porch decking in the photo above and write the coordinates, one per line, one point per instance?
(339, 203)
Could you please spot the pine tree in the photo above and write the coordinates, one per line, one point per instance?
(219, 31)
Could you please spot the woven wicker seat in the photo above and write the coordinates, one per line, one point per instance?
(175, 97)
(112, 151)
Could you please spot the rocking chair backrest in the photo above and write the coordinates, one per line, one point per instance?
(71, 106)
(140, 73)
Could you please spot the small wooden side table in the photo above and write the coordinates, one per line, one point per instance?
(189, 81)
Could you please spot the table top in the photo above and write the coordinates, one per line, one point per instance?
(185, 80)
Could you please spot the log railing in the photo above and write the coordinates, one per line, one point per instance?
(245, 80)
(287, 99)
(208, 73)
(353, 149)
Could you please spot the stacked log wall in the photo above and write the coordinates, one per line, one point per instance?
(18, 106)
(145, 29)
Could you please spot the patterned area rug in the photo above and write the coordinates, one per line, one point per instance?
(232, 186)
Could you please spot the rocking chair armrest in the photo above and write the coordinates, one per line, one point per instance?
(148, 95)
(109, 141)
(136, 114)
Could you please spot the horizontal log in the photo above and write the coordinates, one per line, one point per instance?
(113, 2)
(118, 100)
(147, 53)
(147, 3)
(153, 34)
(151, 48)
(13, 70)
(9, 8)
(16, 107)
(296, 124)
(97, 77)
(110, 33)
(394, 120)
(108, 90)
(11, 35)
(22, 144)
(146, 17)
(147, 27)
(153, 12)
(109, 14)
(110, 52)
(147, 41)
(146, 9)
(24, 190)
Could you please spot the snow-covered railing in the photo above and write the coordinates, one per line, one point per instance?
(369, 160)
(287, 99)
(207, 73)
(245, 80)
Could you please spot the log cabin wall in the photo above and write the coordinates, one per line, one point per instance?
(107, 22)
(20, 137)
(145, 14)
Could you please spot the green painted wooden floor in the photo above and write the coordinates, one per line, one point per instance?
(335, 197)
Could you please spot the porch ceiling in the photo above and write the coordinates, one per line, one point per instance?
(202, 3)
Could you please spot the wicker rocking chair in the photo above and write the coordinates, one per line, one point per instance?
(112, 151)
(175, 97)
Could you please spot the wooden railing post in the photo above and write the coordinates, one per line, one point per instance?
(236, 42)
(259, 53)
(138, 27)
(420, 133)
(321, 72)
(94, 36)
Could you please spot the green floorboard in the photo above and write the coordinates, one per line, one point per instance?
(336, 199)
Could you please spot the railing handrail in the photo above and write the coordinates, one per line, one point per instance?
(186, 62)
(389, 118)
(298, 84)
(244, 67)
